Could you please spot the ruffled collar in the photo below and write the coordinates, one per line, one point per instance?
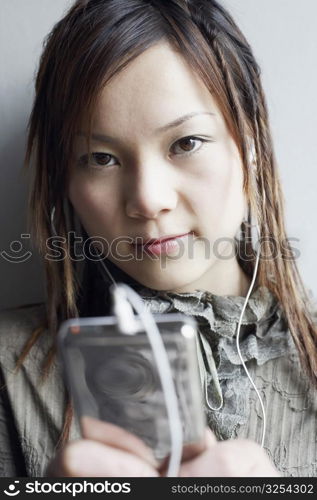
(221, 312)
(263, 336)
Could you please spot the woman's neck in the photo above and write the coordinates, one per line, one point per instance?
(224, 278)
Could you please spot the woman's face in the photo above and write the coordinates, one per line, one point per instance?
(163, 164)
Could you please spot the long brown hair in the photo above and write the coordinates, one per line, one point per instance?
(85, 49)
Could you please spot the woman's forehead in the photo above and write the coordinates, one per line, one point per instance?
(157, 87)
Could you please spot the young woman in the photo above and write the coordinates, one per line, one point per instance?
(150, 134)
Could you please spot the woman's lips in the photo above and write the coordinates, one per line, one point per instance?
(163, 246)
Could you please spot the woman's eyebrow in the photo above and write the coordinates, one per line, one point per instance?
(182, 119)
(175, 123)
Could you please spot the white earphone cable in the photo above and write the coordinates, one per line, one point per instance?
(238, 334)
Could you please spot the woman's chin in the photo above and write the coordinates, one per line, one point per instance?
(185, 278)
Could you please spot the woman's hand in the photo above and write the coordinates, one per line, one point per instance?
(231, 458)
(110, 451)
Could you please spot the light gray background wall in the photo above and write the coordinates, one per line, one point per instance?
(284, 39)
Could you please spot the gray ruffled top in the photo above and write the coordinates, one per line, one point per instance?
(32, 414)
(263, 336)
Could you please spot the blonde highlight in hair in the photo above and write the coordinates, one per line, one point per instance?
(92, 43)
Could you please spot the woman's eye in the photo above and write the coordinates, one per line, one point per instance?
(97, 159)
(186, 145)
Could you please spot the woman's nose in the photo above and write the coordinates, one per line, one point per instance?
(149, 192)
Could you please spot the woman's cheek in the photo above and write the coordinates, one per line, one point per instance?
(95, 205)
(208, 190)
(216, 196)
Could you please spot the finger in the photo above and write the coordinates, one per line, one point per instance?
(246, 458)
(191, 450)
(84, 458)
(117, 437)
(232, 458)
(211, 439)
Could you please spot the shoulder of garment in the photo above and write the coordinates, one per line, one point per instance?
(36, 404)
